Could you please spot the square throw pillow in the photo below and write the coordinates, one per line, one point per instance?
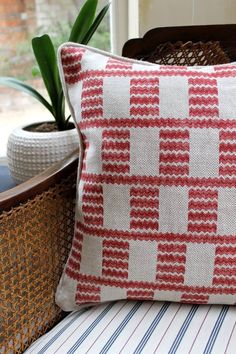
(156, 203)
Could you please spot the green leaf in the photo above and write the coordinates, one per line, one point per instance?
(35, 71)
(95, 25)
(46, 58)
(83, 21)
(21, 86)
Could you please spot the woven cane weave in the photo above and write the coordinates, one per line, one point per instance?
(34, 242)
(156, 207)
(189, 53)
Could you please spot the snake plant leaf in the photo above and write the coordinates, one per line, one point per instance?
(21, 86)
(83, 21)
(46, 58)
(95, 24)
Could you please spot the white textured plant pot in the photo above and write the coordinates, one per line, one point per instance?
(29, 153)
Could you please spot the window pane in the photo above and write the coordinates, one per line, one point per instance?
(21, 21)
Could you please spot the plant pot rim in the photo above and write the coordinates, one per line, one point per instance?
(25, 132)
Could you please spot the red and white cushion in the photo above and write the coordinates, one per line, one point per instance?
(156, 199)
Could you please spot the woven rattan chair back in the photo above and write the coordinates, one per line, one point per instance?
(189, 53)
(191, 45)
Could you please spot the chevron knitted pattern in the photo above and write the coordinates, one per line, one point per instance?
(156, 201)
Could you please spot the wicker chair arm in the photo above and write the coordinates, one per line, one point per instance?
(39, 183)
(36, 229)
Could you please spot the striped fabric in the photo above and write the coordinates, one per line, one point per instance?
(143, 327)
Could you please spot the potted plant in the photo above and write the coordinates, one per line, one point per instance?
(33, 148)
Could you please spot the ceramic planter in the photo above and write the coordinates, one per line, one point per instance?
(29, 153)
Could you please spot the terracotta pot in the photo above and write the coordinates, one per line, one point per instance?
(30, 153)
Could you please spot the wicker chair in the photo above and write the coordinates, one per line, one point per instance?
(37, 217)
(187, 45)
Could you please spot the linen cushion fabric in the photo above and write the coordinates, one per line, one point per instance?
(156, 199)
(129, 327)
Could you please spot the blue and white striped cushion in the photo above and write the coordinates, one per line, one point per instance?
(143, 327)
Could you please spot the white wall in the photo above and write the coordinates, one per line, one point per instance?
(119, 25)
(156, 13)
(124, 22)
